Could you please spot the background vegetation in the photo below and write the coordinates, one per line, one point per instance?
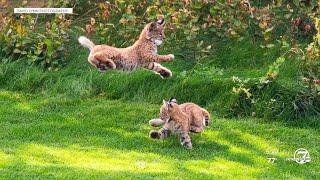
(253, 64)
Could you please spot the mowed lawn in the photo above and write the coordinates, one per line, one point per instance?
(60, 137)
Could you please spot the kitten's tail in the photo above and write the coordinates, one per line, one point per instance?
(207, 117)
(86, 42)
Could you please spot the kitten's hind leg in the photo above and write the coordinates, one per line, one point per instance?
(198, 123)
(196, 129)
(159, 69)
(102, 62)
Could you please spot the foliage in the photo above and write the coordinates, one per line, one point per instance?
(267, 97)
(192, 25)
(21, 39)
(191, 21)
(311, 62)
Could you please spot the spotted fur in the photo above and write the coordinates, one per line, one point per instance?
(143, 53)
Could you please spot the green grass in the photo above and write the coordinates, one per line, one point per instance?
(63, 137)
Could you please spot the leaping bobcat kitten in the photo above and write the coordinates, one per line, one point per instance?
(143, 53)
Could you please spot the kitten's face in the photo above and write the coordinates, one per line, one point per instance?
(172, 106)
(164, 112)
(167, 108)
(156, 32)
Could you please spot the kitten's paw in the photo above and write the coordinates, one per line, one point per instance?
(154, 134)
(187, 145)
(156, 122)
(171, 57)
(110, 65)
(102, 68)
(165, 73)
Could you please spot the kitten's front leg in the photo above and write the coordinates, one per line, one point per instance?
(159, 58)
(163, 133)
(185, 140)
(156, 122)
(159, 69)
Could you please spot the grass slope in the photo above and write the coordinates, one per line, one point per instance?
(62, 137)
(207, 82)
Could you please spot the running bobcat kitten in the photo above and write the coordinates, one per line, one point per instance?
(178, 123)
(200, 118)
(143, 53)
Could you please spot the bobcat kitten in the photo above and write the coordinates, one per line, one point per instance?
(143, 53)
(200, 118)
(178, 123)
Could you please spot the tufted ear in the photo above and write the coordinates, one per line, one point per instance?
(173, 99)
(160, 21)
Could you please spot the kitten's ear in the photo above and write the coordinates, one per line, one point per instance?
(173, 99)
(160, 21)
(150, 29)
(164, 102)
(152, 26)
